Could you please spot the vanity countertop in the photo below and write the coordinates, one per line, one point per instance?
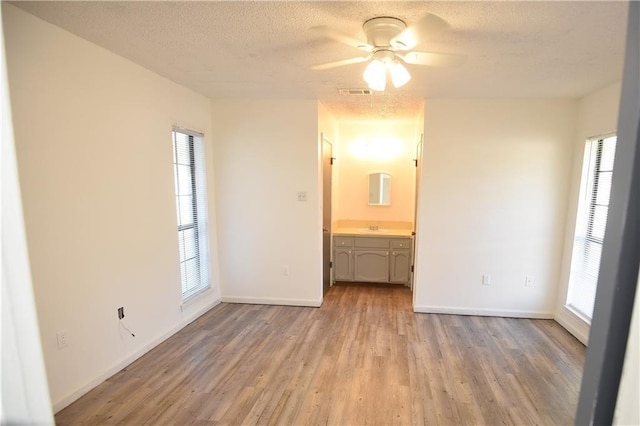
(366, 232)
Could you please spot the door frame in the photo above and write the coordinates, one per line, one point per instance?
(618, 275)
(324, 139)
(416, 222)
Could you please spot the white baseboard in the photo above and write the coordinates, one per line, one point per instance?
(272, 301)
(482, 312)
(573, 324)
(186, 320)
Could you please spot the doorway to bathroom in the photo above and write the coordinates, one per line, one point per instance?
(375, 188)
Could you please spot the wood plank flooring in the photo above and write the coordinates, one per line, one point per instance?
(362, 358)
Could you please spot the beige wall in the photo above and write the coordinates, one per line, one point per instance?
(328, 128)
(93, 141)
(372, 147)
(25, 393)
(597, 115)
(627, 410)
(493, 193)
(94, 155)
(265, 152)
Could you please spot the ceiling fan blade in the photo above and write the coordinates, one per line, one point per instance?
(343, 38)
(419, 32)
(340, 63)
(433, 59)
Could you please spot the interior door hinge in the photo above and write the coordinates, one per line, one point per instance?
(415, 162)
(332, 159)
(330, 264)
(411, 268)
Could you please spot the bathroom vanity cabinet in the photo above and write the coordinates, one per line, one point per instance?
(375, 259)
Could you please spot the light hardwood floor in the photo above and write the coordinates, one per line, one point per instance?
(362, 358)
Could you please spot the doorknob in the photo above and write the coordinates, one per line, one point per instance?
(324, 229)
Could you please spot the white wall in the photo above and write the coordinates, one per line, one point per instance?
(25, 393)
(328, 127)
(327, 123)
(597, 115)
(93, 141)
(627, 410)
(493, 194)
(355, 161)
(265, 152)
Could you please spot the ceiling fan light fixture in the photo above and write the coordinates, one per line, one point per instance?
(399, 74)
(390, 44)
(375, 75)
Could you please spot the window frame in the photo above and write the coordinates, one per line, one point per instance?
(584, 239)
(198, 213)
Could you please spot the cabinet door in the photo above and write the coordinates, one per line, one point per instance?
(343, 261)
(400, 266)
(372, 266)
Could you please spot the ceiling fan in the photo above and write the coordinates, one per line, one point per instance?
(389, 46)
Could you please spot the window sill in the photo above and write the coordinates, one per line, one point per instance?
(191, 299)
(574, 322)
(578, 314)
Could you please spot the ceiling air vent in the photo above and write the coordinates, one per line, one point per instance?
(355, 92)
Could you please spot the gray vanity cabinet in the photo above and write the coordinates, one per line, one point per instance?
(400, 260)
(379, 259)
(343, 258)
(400, 266)
(372, 266)
(343, 261)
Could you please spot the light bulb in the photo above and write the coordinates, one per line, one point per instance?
(399, 74)
(375, 75)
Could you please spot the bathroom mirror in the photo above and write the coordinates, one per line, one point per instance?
(379, 189)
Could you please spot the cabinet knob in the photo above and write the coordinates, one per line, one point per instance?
(393, 253)
(349, 251)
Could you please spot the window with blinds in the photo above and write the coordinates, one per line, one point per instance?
(191, 202)
(591, 222)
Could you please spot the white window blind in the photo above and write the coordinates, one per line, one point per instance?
(593, 209)
(191, 208)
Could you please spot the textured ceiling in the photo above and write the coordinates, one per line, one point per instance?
(260, 49)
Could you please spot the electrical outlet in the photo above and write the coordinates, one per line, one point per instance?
(528, 281)
(121, 312)
(285, 270)
(302, 195)
(486, 279)
(63, 339)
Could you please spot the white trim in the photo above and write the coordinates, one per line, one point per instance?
(482, 312)
(602, 136)
(75, 395)
(195, 297)
(186, 131)
(574, 324)
(272, 301)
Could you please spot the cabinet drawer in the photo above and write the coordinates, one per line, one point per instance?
(404, 243)
(372, 243)
(343, 241)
